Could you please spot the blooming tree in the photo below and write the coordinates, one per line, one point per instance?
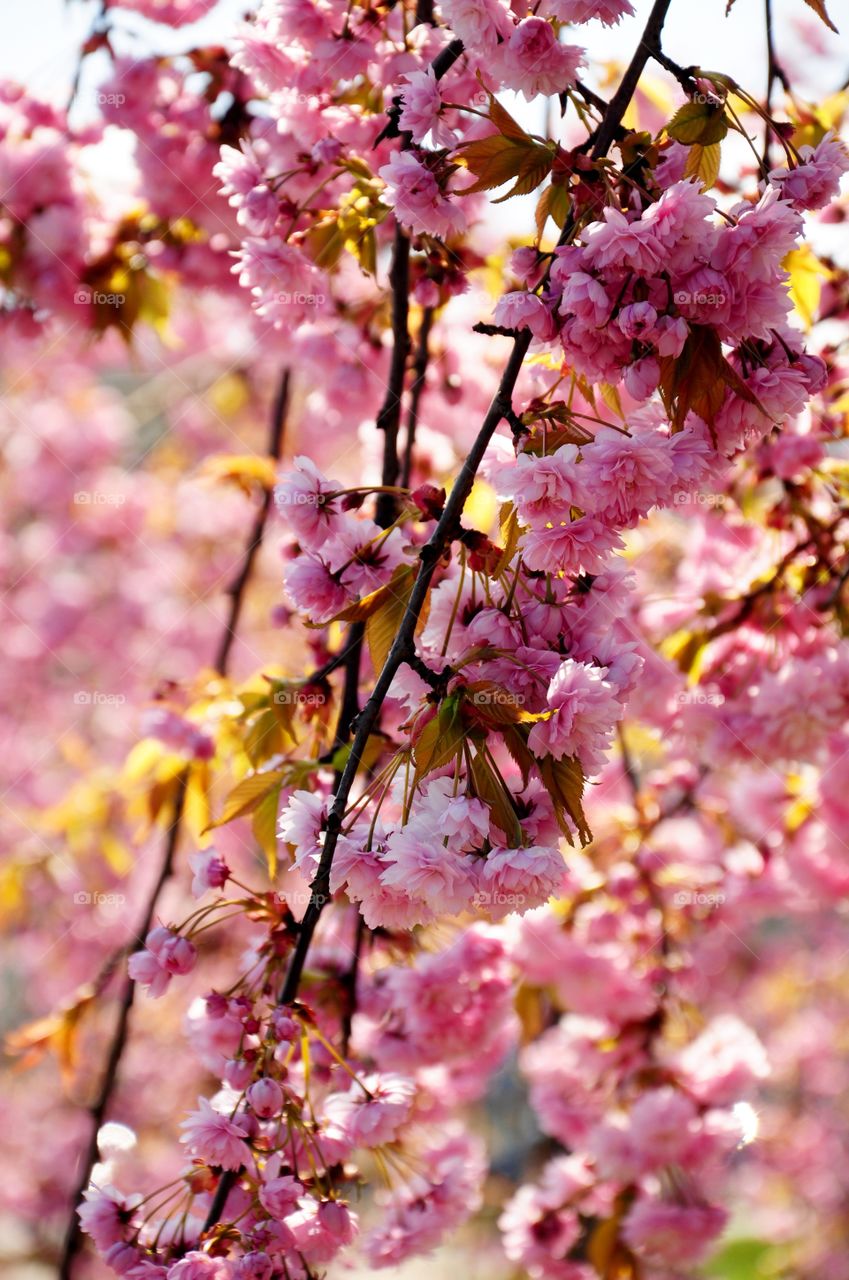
(530, 768)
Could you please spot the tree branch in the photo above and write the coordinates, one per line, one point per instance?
(420, 364)
(403, 646)
(120, 1033)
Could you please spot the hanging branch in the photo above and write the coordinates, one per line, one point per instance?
(120, 1034)
(403, 647)
(447, 528)
(420, 364)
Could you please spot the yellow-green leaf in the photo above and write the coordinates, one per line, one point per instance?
(703, 162)
(807, 274)
(702, 122)
(264, 826)
(564, 781)
(382, 625)
(248, 794)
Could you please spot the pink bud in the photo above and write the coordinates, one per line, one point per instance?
(266, 1098)
(237, 1073)
(216, 1005)
(335, 1218)
(179, 955)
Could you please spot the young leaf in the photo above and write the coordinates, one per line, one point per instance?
(564, 781)
(493, 160)
(264, 827)
(703, 162)
(382, 625)
(489, 788)
(247, 796)
(702, 122)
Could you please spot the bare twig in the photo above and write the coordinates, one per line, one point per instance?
(420, 364)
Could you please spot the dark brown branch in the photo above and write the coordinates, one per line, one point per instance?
(117, 1044)
(402, 648)
(420, 364)
(120, 1034)
(448, 526)
(648, 47)
(236, 590)
(389, 415)
(446, 530)
(774, 73)
(441, 65)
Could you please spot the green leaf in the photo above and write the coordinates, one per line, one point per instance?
(440, 740)
(554, 203)
(742, 1260)
(702, 122)
(489, 788)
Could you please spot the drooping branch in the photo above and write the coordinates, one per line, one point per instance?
(648, 47)
(447, 527)
(775, 73)
(121, 1030)
(420, 365)
(389, 415)
(236, 590)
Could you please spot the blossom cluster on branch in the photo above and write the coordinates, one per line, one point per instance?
(548, 725)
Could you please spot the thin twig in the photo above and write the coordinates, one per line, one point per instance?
(236, 590)
(420, 364)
